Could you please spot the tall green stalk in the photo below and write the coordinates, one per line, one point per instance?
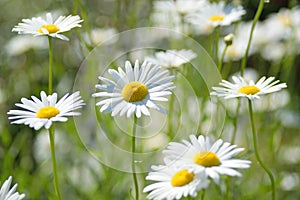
(220, 65)
(256, 151)
(50, 66)
(52, 129)
(133, 148)
(171, 106)
(235, 118)
(255, 20)
(52, 148)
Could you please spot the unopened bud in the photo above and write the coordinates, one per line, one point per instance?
(228, 39)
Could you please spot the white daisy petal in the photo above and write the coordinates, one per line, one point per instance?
(7, 193)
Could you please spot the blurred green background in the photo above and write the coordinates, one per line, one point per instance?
(24, 153)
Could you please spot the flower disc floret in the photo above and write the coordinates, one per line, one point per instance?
(134, 91)
(251, 89)
(50, 28)
(47, 112)
(182, 177)
(215, 18)
(207, 159)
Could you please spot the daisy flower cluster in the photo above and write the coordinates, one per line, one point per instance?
(190, 165)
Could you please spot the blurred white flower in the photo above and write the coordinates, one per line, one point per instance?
(7, 193)
(19, 45)
(179, 6)
(290, 181)
(216, 14)
(99, 35)
(237, 49)
(38, 26)
(172, 58)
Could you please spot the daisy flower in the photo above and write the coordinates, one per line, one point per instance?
(39, 113)
(38, 26)
(173, 182)
(10, 194)
(215, 158)
(217, 14)
(172, 58)
(135, 90)
(243, 88)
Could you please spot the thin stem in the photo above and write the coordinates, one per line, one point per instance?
(220, 65)
(235, 118)
(203, 194)
(256, 151)
(50, 66)
(255, 20)
(228, 188)
(217, 38)
(136, 186)
(56, 185)
(171, 105)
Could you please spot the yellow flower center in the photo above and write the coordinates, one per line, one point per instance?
(207, 159)
(182, 177)
(216, 18)
(251, 89)
(51, 28)
(47, 112)
(134, 91)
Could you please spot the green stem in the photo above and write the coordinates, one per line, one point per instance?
(220, 65)
(217, 38)
(235, 118)
(255, 20)
(203, 194)
(256, 151)
(170, 114)
(133, 147)
(228, 188)
(52, 148)
(50, 66)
